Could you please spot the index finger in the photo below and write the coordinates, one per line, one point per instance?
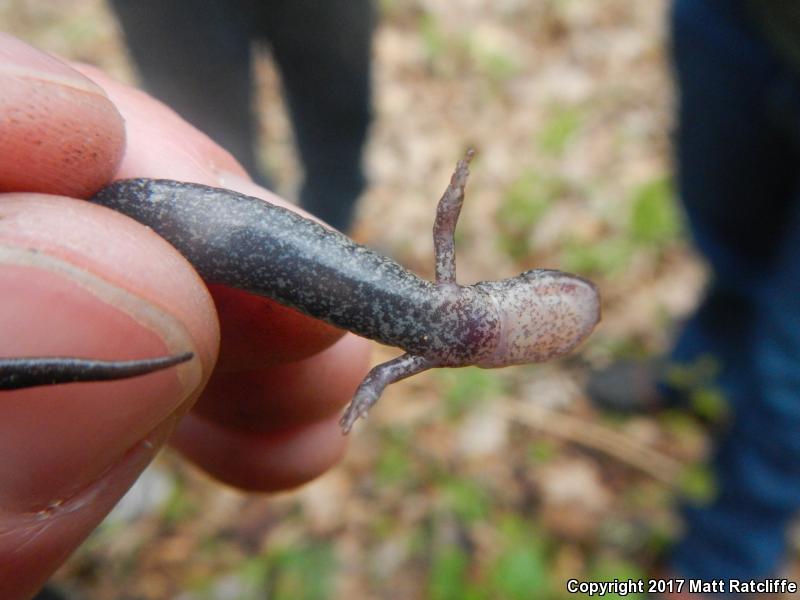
(60, 134)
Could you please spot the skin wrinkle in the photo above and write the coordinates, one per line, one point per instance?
(195, 160)
(38, 520)
(32, 530)
(502, 335)
(107, 487)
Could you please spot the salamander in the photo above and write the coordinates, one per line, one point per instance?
(252, 245)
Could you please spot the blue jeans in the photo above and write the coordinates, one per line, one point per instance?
(738, 160)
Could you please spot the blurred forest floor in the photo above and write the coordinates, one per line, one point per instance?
(463, 484)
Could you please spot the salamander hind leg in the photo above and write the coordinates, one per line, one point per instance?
(444, 227)
(18, 373)
(376, 381)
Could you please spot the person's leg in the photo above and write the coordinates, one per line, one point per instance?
(737, 178)
(758, 462)
(195, 56)
(323, 52)
(735, 168)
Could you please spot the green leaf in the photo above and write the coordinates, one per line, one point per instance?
(303, 573)
(654, 216)
(433, 38)
(468, 387)
(527, 200)
(541, 451)
(180, 505)
(698, 484)
(467, 499)
(605, 257)
(521, 569)
(520, 573)
(448, 575)
(609, 569)
(393, 463)
(559, 130)
(709, 402)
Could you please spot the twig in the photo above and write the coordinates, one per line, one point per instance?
(593, 435)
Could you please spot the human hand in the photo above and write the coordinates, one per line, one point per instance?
(80, 280)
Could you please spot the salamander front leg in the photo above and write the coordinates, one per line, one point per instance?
(376, 381)
(17, 373)
(444, 227)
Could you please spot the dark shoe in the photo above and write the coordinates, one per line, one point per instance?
(49, 593)
(649, 386)
(630, 386)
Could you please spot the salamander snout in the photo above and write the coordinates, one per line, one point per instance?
(544, 314)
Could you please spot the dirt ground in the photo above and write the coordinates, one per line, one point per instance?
(463, 484)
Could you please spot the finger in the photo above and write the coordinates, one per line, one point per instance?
(60, 133)
(277, 427)
(79, 280)
(286, 396)
(258, 333)
(257, 462)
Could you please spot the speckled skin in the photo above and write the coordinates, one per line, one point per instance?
(274, 252)
(249, 244)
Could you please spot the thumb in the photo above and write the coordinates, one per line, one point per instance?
(80, 280)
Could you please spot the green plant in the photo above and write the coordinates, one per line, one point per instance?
(394, 464)
(527, 200)
(611, 568)
(447, 579)
(297, 573)
(654, 217)
(521, 569)
(468, 387)
(468, 500)
(559, 130)
(434, 40)
(604, 257)
(697, 483)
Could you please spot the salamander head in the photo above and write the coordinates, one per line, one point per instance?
(544, 314)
